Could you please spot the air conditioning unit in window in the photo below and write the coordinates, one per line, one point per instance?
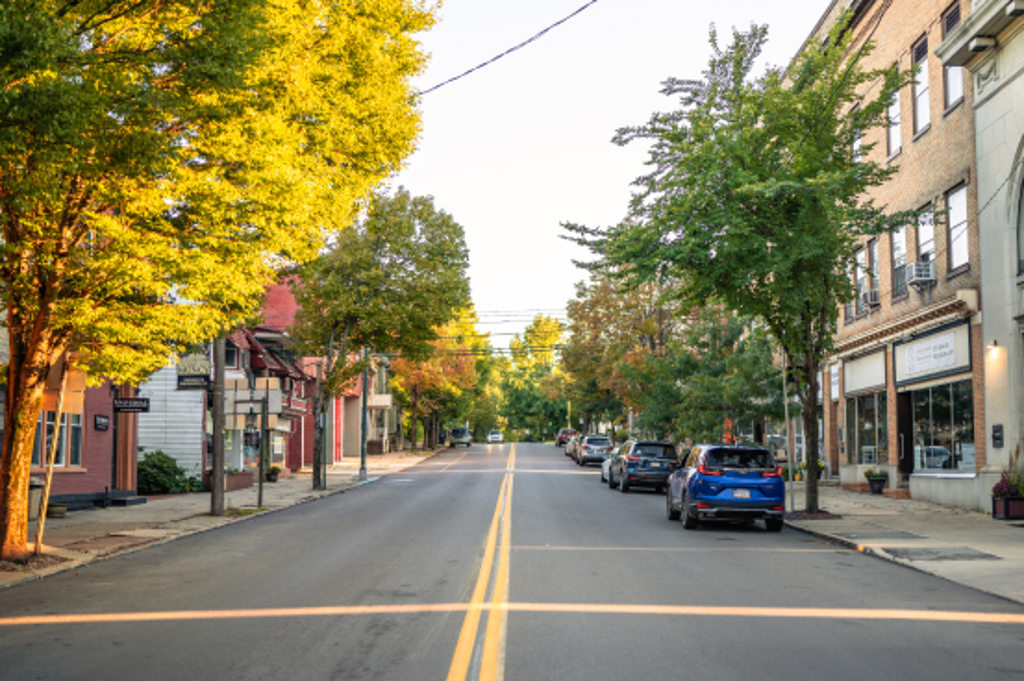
(869, 298)
(920, 273)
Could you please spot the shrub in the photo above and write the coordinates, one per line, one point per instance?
(161, 474)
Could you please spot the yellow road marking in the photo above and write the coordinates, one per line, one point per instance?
(467, 636)
(570, 608)
(684, 549)
(456, 461)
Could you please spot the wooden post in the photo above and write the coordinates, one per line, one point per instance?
(50, 458)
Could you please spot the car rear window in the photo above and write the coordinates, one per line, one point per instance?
(739, 458)
(599, 441)
(655, 450)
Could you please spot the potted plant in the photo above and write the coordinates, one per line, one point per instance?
(1008, 497)
(272, 473)
(821, 467)
(877, 479)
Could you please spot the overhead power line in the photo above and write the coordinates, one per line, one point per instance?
(510, 50)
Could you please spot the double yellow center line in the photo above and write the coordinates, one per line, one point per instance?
(492, 657)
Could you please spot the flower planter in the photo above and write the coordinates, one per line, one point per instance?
(271, 476)
(1008, 508)
(877, 484)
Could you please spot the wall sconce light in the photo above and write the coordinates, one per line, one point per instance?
(993, 345)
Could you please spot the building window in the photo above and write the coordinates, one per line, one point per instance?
(69, 450)
(956, 204)
(926, 235)
(1020, 231)
(848, 307)
(899, 261)
(230, 356)
(944, 427)
(922, 116)
(861, 280)
(895, 143)
(873, 266)
(953, 76)
(867, 429)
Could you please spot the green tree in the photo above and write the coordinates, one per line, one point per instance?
(163, 152)
(755, 198)
(531, 400)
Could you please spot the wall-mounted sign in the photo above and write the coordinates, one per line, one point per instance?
(101, 422)
(194, 371)
(131, 404)
(943, 352)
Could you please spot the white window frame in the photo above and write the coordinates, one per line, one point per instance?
(922, 111)
(956, 206)
(895, 141)
(926, 235)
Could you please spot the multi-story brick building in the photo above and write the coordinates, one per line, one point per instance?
(990, 44)
(904, 389)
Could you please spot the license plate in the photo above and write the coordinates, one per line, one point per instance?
(655, 464)
(741, 493)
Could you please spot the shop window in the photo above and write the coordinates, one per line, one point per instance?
(944, 428)
(867, 429)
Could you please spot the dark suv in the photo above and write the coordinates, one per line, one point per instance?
(738, 482)
(642, 463)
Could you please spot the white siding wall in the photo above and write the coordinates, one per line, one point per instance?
(174, 423)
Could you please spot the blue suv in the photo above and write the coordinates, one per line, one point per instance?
(737, 482)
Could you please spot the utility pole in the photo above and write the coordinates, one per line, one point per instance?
(264, 447)
(362, 435)
(217, 465)
(320, 432)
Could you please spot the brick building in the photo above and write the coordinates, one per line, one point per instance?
(904, 390)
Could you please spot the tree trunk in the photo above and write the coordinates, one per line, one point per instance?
(29, 366)
(414, 416)
(809, 417)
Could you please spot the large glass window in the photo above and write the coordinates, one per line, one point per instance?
(944, 428)
(899, 261)
(922, 116)
(956, 204)
(867, 429)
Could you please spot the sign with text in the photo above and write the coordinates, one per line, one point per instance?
(131, 404)
(947, 351)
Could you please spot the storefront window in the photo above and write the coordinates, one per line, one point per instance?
(867, 429)
(944, 427)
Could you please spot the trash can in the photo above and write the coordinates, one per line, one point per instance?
(35, 497)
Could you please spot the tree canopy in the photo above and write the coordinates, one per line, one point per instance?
(161, 160)
(755, 197)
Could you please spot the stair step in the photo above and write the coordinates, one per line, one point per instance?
(127, 501)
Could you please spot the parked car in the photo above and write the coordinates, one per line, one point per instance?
(642, 463)
(495, 437)
(592, 449)
(606, 464)
(570, 446)
(563, 436)
(460, 436)
(735, 482)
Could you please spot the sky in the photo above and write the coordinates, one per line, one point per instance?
(523, 144)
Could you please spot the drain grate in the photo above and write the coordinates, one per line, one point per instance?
(940, 553)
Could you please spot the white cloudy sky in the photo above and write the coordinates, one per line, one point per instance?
(519, 146)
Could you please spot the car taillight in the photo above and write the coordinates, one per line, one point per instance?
(777, 473)
(704, 470)
(632, 457)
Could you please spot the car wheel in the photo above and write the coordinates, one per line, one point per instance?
(689, 521)
(773, 524)
(670, 513)
(611, 479)
(624, 485)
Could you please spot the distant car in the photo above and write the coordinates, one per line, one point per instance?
(563, 436)
(592, 449)
(495, 437)
(735, 482)
(460, 436)
(570, 446)
(642, 463)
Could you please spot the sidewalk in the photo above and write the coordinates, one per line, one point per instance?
(82, 537)
(966, 547)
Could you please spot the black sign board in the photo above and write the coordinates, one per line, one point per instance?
(997, 435)
(101, 421)
(196, 381)
(131, 404)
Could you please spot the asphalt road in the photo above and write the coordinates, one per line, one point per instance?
(500, 561)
